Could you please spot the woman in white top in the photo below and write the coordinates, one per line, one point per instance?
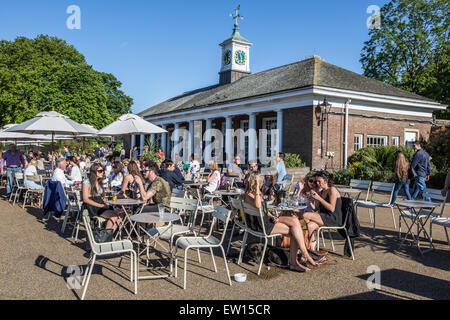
(117, 175)
(75, 173)
(213, 177)
(31, 170)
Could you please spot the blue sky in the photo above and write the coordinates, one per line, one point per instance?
(159, 49)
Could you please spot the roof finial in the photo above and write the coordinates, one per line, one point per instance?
(237, 15)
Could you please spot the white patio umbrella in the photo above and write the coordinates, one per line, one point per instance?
(20, 136)
(51, 122)
(130, 124)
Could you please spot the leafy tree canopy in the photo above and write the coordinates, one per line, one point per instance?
(46, 73)
(411, 49)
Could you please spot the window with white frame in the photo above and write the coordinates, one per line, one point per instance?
(269, 124)
(358, 142)
(375, 140)
(396, 141)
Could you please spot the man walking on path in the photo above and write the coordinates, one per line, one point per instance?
(14, 162)
(420, 164)
(281, 168)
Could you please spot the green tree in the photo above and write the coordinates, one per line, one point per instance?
(411, 48)
(46, 73)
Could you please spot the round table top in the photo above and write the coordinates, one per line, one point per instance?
(192, 183)
(125, 202)
(285, 208)
(154, 217)
(349, 190)
(417, 204)
(229, 193)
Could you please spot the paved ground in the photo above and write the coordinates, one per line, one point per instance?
(35, 256)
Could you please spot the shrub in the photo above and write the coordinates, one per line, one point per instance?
(342, 176)
(292, 160)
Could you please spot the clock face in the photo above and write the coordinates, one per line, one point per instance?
(226, 57)
(239, 57)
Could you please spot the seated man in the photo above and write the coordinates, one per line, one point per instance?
(157, 189)
(59, 175)
(168, 173)
(233, 169)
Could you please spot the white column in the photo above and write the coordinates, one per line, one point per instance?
(141, 145)
(280, 130)
(208, 128)
(133, 141)
(152, 138)
(176, 140)
(164, 140)
(191, 138)
(252, 137)
(228, 139)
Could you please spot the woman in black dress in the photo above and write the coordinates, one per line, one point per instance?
(330, 203)
(285, 225)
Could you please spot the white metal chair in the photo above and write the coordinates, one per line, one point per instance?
(237, 217)
(105, 249)
(178, 193)
(372, 204)
(18, 187)
(331, 228)
(209, 241)
(73, 199)
(40, 191)
(256, 214)
(181, 206)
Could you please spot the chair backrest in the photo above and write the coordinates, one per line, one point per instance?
(220, 214)
(181, 205)
(178, 193)
(229, 180)
(37, 179)
(361, 184)
(435, 194)
(236, 207)
(382, 187)
(258, 213)
(19, 179)
(90, 234)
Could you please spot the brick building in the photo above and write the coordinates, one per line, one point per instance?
(322, 112)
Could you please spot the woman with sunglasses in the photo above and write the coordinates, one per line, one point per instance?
(330, 203)
(306, 186)
(94, 197)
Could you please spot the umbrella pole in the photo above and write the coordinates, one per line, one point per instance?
(129, 138)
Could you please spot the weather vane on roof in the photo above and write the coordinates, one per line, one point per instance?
(237, 15)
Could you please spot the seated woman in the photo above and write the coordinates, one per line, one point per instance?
(130, 186)
(307, 185)
(213, 178)
(117, 176)
(285, 225)
(31, 170)
(75, 172)
(330, 203)
(94, 198)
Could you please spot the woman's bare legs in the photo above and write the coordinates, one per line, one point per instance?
(113, 219)
(314, 221)
(295, 230)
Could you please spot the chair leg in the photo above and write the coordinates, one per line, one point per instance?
(370, 215)
(88, 278)
(66, 217)
(213, 260)
(446, 233)
(185, 268)
(25, 199)
(318, 240)
(349, 244)
(231, 237)
(373, 219)
(331, 239)
(393, 217)
(262, 256)
(226, 264)
(244, 241)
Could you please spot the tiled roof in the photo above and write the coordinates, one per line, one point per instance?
(302, 74)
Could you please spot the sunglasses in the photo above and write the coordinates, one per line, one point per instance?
(145, 170)
(311, 180)
(100, 171)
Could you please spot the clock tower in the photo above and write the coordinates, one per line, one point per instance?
(235, 57)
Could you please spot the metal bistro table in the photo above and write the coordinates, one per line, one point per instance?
(350, 193)
(414, 210)
(285, 208)
(126, 204)
(195, 184)
(232, 193)
(154, 217)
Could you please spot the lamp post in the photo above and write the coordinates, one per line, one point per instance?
(322, 110)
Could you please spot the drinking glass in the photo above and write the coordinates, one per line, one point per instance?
(161, 209)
